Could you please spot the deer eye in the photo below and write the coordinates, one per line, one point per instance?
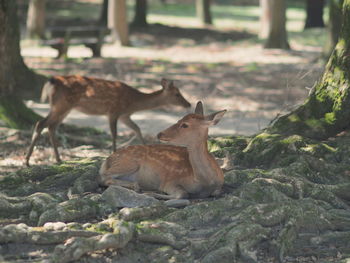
(177, 95)
(184, 125)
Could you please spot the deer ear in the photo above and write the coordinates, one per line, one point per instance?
(214, 118)
(166, 83)
(199, 108)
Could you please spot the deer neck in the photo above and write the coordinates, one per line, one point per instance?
(203, 164)
(146, 101)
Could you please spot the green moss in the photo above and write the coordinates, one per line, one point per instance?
(145, 227)
(293, 118)
(11, 181)
(330, 118)
(102, 228)
(262, 149)
(15, 114)
(319, 149)
(294, 139)
(314, 123)
(40, 172)
(237, 178)
(231, 144)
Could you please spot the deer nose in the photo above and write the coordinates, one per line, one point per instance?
(160, 135)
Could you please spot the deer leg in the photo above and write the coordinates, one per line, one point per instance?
(132, 125)
(172, 192)
(119, 170)
(122, 183)
(57, 114)
(178, 195)
(39, 126)
(113, 128)
(53, 140)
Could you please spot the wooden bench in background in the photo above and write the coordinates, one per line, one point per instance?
(61, 37)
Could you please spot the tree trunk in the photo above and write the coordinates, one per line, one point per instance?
(118, 21)
(314, 13)
(36, 19)
(277, 34)
(265, 18)
(140, 17)
(104, 13)
(326, 112)
(334, 25)
(16, 80)
(203, 11)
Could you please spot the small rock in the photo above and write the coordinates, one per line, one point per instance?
(117, 197)
(54, 226)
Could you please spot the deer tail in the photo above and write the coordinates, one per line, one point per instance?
(103, 168)
(47, 90)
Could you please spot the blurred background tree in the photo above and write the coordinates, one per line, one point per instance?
(314, 13)
(273, 23)
(36, 19)
(203, 11)
(140, 16)
(16, 80)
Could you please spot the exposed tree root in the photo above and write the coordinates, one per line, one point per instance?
(75, 248)
(297, 209)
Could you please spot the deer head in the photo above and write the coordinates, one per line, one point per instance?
(191, 129)
(172, 94)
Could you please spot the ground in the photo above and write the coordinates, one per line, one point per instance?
(285, 198)
(232, 72)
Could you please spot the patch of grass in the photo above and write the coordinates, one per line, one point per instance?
(74, 10)
(311, 37)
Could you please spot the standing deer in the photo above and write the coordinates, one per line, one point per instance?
(94, 96)
(183, 170)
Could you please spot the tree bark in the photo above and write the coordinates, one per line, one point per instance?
(118, 21)
(314, 13)
(265, 18)
(203, 11)
(326, 112)
(16, 80)
(140, 17)
(334, 25)
(277, 33)
(36, 19)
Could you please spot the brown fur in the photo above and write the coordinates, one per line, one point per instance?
(180, 172)
(95, 96)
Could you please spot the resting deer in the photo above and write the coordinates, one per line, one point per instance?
(94, 96)
(183, 170)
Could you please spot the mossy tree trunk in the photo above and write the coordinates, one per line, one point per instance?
(326, 112)
(16, 80)
(140, 17)
(334, 25)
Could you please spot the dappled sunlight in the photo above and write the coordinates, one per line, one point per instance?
(254, 84)
(272, 185)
